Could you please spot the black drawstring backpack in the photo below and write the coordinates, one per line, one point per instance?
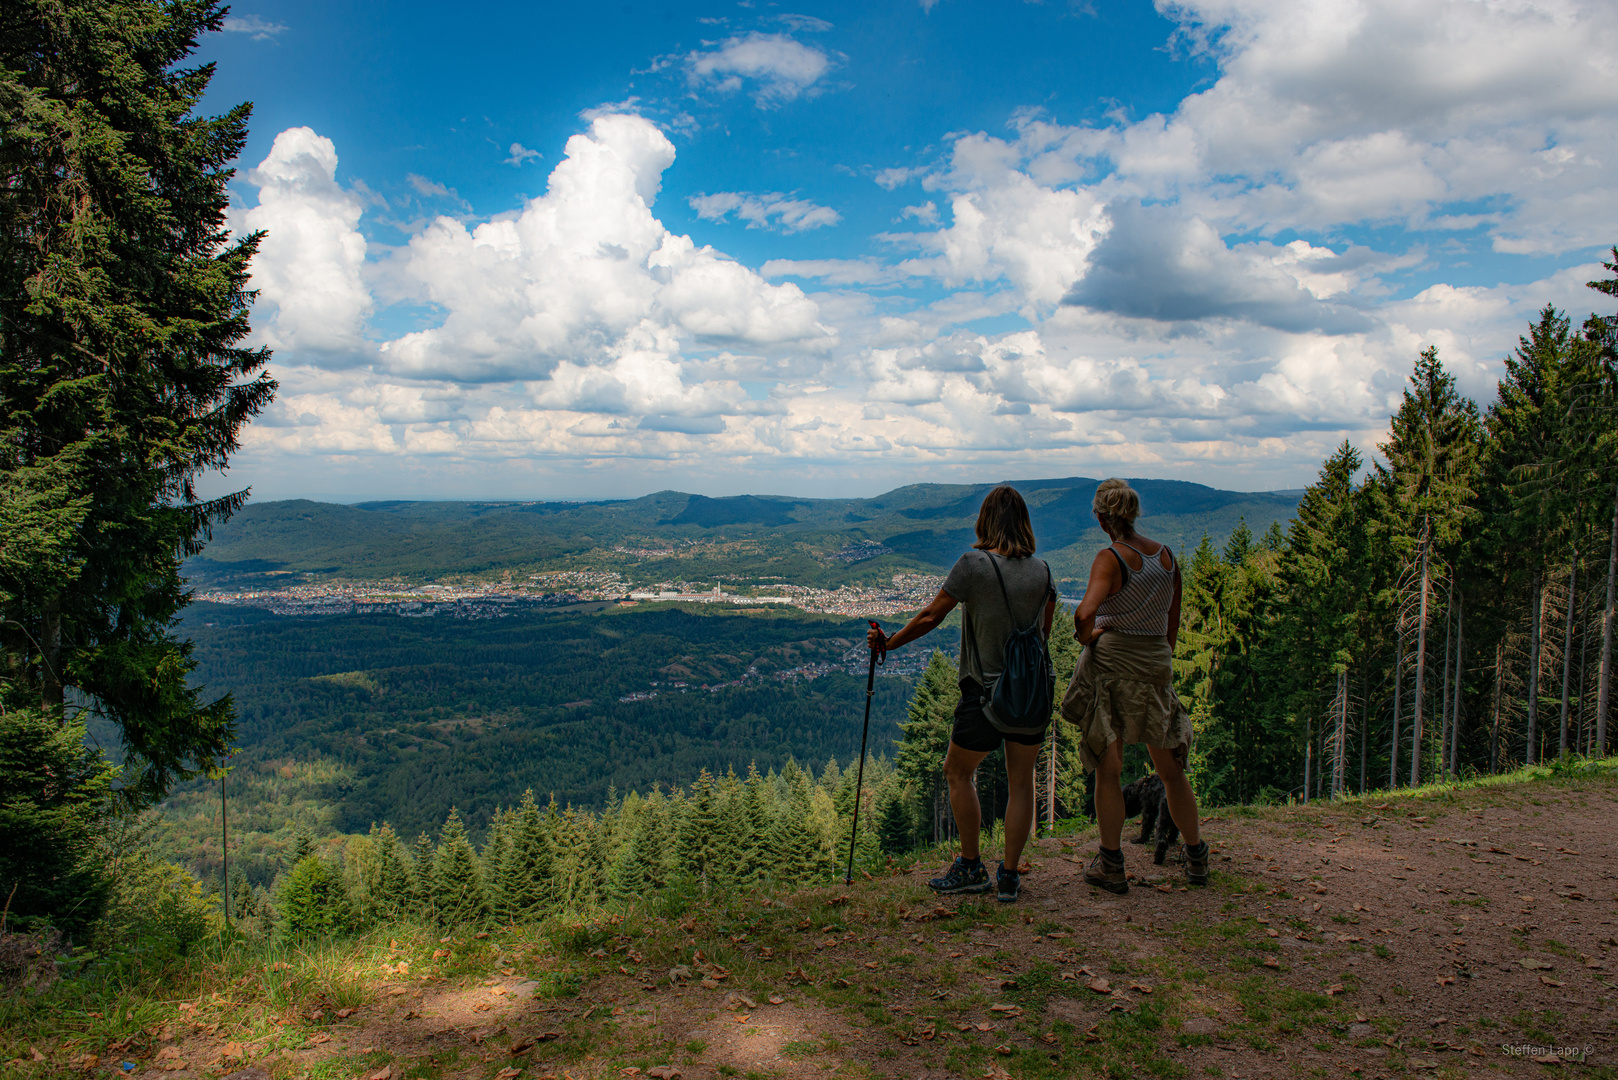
(1024, 692)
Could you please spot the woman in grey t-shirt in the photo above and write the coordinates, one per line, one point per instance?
(1005, 542)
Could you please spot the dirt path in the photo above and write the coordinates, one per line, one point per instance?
(1460, 933)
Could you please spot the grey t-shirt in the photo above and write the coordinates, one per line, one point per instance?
(985, 624)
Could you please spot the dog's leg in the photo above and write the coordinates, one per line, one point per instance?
(1148, 820)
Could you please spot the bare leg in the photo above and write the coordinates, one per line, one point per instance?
(1020, 761)
(1181, 799)
(959, 765)
(1110, 796)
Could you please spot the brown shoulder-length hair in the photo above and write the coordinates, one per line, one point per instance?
(1003, 524)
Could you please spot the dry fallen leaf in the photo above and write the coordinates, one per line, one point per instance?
(344, 1014)
(1100, 986)
(777, 999)
(663, 1072)
(1548, 981)
(510, 1072)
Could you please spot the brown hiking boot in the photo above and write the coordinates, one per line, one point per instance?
(1103, 873)
(1196, 863)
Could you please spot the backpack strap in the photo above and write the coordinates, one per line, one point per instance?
(1010, 614)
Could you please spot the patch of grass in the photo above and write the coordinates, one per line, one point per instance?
(695, 1047)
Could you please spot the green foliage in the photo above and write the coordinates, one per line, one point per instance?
(457, 883)
(54, 797)
(123, 298)
(312, 901)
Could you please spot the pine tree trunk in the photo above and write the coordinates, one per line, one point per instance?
(1398, 707)
(1529, 756)
(50, 654)
(1339, 774)
(1050, 785)
(1443, 709)
(1604, 692)
(1567, 648)
(1460, 670)
(1308, 750)
(1421, 672)
(1494, 729)
(1365, 726)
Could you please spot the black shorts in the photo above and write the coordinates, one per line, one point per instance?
(974, 732)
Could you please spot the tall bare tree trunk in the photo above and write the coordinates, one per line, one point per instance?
(1308, 751)
(1398, 707)
(1567, 647)
(1533, 671)
(1494, 730)
(1340, 737)
(1050, 785)
(1604, 694)
(1365, 725)
(1443, 708)
(1460, 670)
(1421, 667)
(50, 654)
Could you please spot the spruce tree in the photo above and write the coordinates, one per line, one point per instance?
(423, 890)
(526, 887)
(730, 831)
(698, 828)
(491, 862)
(53, 800)
(756, 823)
(929, 720)
(123, 300)
(312, 901)
(457, 884)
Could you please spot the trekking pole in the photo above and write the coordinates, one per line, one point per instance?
(859, 781)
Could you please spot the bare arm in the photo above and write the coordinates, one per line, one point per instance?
(1174, 609)
(924, 622)
(1104, 581)
(1050, 617)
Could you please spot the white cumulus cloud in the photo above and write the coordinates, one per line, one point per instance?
(778, 67)
(309, 272)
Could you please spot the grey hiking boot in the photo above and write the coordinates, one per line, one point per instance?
(1008, 884)
(1196, 863)
(1105, 873)
(963, 877)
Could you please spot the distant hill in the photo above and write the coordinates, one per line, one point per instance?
(924, 526)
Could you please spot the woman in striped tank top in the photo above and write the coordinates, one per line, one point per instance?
(1123, 688)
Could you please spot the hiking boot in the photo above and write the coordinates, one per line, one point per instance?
(1196, 863)
(963, 877)
(1104, 873)
(1008, 882)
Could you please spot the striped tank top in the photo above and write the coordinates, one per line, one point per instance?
(1142, 605)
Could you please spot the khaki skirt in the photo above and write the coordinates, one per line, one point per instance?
(1123, 688)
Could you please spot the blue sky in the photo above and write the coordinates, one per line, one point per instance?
(562, 251)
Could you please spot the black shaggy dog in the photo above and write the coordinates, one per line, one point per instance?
(1147, 798)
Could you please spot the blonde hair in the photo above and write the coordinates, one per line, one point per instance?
(1003, 524)
(1118, 502)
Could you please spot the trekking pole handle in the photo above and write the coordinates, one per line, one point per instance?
(879, 652)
